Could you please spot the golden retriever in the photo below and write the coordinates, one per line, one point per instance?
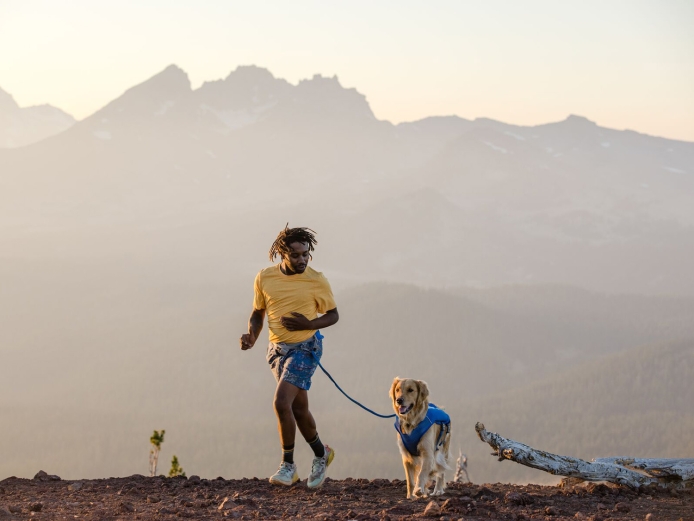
(432, 454)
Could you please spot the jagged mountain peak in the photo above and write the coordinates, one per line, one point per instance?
(154, 96)
(579, 120)
(7, 102)
(327, 93)
(327, 79)
(244, 87)
(171, 79)
(250, 72)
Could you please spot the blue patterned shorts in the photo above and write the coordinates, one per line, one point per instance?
(298, 363)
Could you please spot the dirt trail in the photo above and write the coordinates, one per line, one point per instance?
(138, 497)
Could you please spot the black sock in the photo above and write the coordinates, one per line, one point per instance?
(317, 446)
(288, 453)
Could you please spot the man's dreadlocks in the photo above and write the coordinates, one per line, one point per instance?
(290, 235)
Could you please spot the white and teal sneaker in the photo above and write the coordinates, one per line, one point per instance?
(285, 475)
(319, 467)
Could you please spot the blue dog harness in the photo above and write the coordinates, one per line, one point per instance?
(434, 416)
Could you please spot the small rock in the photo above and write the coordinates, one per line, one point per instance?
(601, 506)
(622, 507)
(579, 515)
(226, 504)
(74, 486)
(432, 509)
(518, 499)
(167, 511)
(551, 511)
(15, 509)
(597, 488)
(5, 514)
(483, 491)
(153, 499)
(43, 476)
(194, 479)
(126, 507)
(649, 517)
(452, 505)
(35, 507)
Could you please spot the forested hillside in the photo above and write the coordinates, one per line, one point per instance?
(84, 399)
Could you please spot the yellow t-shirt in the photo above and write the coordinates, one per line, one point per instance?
(307, 293)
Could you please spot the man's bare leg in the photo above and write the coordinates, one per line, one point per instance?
(285, 395)
(286, 425)
(302, 415)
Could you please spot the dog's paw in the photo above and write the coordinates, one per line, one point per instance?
(437, 493)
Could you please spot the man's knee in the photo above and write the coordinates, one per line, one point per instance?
(283, 406)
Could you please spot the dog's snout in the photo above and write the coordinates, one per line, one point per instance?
(399, 401)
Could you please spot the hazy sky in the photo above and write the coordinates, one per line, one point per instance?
(621, 63)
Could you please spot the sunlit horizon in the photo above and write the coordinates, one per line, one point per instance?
(619, 65)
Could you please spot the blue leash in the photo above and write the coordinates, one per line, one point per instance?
(320, 337)
(350, 398)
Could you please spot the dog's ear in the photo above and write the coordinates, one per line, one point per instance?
(423, 389)
(391, 393)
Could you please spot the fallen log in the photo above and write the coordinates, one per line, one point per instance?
(632, 472)
(664, 469)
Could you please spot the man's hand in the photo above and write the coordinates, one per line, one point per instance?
(247, 341)
(255, 325)
(297, 322)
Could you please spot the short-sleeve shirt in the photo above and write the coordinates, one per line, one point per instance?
(307, 293)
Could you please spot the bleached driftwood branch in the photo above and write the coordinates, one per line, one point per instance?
(663, 469)
(631, 472)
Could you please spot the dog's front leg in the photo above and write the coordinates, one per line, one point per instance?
(409, 476)
(425, 469)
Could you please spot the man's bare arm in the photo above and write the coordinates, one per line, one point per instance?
(298, 322)
(255, 326)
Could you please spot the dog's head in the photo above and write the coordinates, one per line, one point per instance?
(409, 397)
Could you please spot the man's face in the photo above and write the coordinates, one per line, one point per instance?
(297, 259)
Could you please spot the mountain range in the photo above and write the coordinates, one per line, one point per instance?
(26, 125)
(562, 203)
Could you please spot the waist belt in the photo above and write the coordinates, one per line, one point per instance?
(284, 348)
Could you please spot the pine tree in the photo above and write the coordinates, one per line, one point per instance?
(176, 469)
(156, 440)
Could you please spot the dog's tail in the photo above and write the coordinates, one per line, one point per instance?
(442, 455)
(441, 460)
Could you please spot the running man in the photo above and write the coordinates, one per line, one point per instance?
(293, 295)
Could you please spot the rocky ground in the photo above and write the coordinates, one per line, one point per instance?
(138, 497)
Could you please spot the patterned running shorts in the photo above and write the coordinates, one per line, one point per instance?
(298, 364)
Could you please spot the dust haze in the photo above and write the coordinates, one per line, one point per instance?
(538, 278)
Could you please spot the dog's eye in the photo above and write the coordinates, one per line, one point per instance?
(410, 390)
